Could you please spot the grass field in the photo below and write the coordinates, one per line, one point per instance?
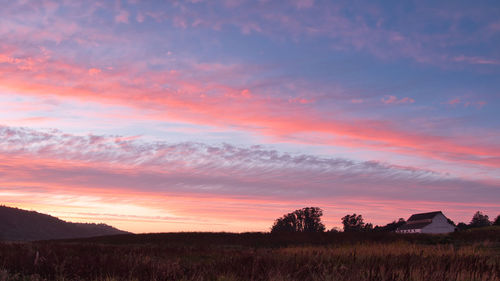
(471, 255)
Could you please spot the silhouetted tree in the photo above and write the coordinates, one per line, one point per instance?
(390, 227)
(479, 220)
(368, 227)
(302, 220)
(462, 226)
(497, 221)
(354, 223)
(334, 229)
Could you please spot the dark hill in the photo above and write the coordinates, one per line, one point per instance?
(21, 225)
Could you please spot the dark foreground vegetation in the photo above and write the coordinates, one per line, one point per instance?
(468, 255)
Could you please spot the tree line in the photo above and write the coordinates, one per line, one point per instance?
(309, 220)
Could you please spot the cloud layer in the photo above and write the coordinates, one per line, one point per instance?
(266, 106)
(52, 160)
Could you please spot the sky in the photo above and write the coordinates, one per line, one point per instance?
(157, 116)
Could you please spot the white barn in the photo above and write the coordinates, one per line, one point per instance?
(433, 222)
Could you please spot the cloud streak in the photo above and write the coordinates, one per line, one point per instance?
(101, 166)
(395, 100)
(221, 170)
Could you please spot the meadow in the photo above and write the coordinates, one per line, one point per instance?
(469, 255)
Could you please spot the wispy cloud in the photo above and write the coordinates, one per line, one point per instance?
(102, 165)
(466, 103)
(202, 168)
(122, 17)
(476, 60)
(395, 100)
(300, 20)
(94, 71)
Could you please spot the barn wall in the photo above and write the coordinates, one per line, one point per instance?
(439, 225)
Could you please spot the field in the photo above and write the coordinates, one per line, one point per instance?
(471, 255)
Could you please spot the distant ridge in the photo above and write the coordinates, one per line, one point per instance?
(21, 225)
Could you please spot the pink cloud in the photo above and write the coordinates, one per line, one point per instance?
(268, 116)
(300, 4)
(480, 104)
(475, 60)
(180, 22)
(246, 93)
(348, 34)
(158, 16)
(247, 28)
(122, 17)
(196, 179)
(265, 18)
(495, 26)
(168, 163)
(94, 71)
(140, 17)
(395, 100)
(454, 101)
(301, 100)
(466, 103)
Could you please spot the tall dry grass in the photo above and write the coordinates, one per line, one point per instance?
(176, 257)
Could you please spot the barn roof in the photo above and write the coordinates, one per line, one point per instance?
(424, 216)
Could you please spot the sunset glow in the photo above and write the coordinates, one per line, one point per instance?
(223, 115)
